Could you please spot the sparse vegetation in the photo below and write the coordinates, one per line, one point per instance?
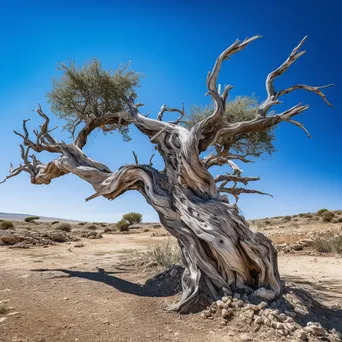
(165, 254)
(287, 218)
(327, 216)
(3, 309)
(108, 230)
(31, 218)
(321, 211)
(132, 217)
(6, 225)
(330, 242)
(54, 222)
(123, 226)
(65, 227)
(92, 227)
(156, 226)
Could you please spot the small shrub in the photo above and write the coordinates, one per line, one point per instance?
(295, 220)
(156, 226)
(327, 216)
(287, 218)
(328, 243)
(6, 225)
(339, 219)
(316, 218)
(308, 216)
(108, 230)
(122, 225)
(166, 254)
(268, 222)
(132, 217)
(301, 215)
(146, 230)
(3, 309)
(103, 225)
(321, 211)
(31, 218)
(81, 223)
(64, 227)
(92, 227)
(54, 222)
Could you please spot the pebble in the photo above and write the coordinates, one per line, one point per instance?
(226, 313)
(66, 298)
(262, 305)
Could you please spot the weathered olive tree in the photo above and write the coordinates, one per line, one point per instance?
(219, 251)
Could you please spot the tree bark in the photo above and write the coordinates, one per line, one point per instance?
(220, 253)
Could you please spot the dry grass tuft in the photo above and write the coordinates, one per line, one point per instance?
(329, 242)
(165, 254)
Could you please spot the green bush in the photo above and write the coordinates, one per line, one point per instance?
(92, 227)
(321, 211)
(6, 225)
(81, 223)
(108, 230)
(54, 222)
(132, 217)
(31, 218)
(301, 215)
(65, 227)
(123, 226)
(327, 216)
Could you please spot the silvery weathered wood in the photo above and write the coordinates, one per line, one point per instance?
(221, 254)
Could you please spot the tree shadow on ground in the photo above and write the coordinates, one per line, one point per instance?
(162, 285)
(328, 317)
(168, 283)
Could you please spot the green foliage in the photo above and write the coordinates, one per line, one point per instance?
(132, 217)
(65, 227)
(6, 225)
(122, 225)
(327, 216)
(321, 211)
(81, 223)
(54, 222)
(240, 109)
(31, 218)
(90, 92)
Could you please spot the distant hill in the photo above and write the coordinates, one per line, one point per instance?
(21, 217)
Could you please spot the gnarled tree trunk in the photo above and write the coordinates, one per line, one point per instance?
(221, 254)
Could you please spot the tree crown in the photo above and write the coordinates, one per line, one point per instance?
(90, 92)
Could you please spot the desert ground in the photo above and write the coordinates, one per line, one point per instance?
(89, 285)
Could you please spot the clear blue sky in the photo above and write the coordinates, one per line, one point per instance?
(174, 44)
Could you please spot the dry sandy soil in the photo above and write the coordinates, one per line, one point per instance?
(89, 294)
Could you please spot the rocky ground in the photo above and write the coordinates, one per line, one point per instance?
(51, 289)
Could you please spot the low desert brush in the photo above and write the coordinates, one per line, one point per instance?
(329, 242)
(165, 254)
